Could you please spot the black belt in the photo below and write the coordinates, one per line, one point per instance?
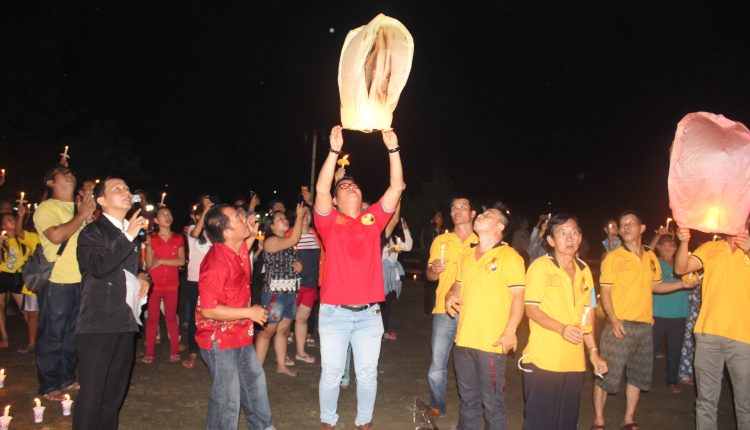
(358, 308)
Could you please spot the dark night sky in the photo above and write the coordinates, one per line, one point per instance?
(526, 101)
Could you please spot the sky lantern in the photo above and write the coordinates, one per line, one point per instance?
(373, 69)
(709, 174)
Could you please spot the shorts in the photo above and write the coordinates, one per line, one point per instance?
(283, 306)
(11, 282)
(633, 354)
(307, 296)
(30, 303)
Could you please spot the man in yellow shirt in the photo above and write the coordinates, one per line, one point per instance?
(57, 221)
(488, 294)
(442, 267)
(558, 304)
(629, 276)
(722, 331)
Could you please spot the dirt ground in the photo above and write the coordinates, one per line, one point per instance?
(166, 396)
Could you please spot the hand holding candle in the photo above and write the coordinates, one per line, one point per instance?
(21, 200)
(163, 196)
(65, 152)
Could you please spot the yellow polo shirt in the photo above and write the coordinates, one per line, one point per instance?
(549, 287)
(50, 213)
(631, 279)
(485, 292)
(725, 300)
(453, 249)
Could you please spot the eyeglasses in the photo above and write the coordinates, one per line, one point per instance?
(347, 186)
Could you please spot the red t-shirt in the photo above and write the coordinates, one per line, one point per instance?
(224, 280)
(353, 272)
(166, 278)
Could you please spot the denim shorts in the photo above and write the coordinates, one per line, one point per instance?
(284, 306)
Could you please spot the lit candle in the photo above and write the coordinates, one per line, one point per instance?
(549, 215)
(38, 411)
(415, 276)
(195, 207)
(66, 405)
(2, 371)
(442, 253)
(21, 200)
(446, 231)
(344, 161)
(163, 196)
(2, 172)
(5, 419)
(96, 181)
(7, 411)
(65, 152)
(585, 327)
(716, 237)
(668, 221)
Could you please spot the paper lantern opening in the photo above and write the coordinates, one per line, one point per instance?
(374, 66)
(709, 174)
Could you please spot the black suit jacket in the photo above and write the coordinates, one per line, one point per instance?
(103, 253)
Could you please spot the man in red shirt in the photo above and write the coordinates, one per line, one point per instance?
(224, 320)
(352, 281)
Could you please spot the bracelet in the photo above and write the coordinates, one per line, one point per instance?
(334, 151)
(394, 150)
(592, 349)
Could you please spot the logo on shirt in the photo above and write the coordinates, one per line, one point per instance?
(653, 266)
(491, 265)
(341, 220)
(368, 219)
(585, 288)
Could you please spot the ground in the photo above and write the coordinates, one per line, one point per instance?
(166, 396)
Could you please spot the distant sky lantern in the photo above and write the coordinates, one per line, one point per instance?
(709, 174)
(373, 69)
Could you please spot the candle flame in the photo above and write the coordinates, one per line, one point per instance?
(67, 397)
(37, 402)
(2, 371)
(711, 221)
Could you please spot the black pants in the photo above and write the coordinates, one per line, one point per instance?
(428, 301)
(105, 365)
(674, 330)
(552, 399)
(192, 299)
(385, 310)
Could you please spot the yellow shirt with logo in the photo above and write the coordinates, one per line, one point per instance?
(725, 294)
(453, 249)
(631, 280)
(549, 287)
(51, 213)
(485, 292)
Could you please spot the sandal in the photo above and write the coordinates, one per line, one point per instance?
(307, 358)
(55, 396)
(310, 342)
(3, 344)
(286, 371)
(188, 364)
(74, 386)
(174, 358)
(147, 359)
(391, 335)
(288, 362)
(597, 427)
(631, 426)
(25, 350)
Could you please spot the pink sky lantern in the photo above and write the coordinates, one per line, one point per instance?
(709, 174)
(373, 69)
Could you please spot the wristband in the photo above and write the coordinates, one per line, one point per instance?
(334, 151)
(394, 150)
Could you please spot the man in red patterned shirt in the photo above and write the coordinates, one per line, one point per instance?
(224, 320)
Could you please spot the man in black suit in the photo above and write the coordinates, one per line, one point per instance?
(105, 334)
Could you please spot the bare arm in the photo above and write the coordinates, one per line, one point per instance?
(669, 287)
(393, 221)
(393, 194)
(276, 243)
(508, 338)
(453, 299)
(683, 261)
(228, 313)
(323, 198)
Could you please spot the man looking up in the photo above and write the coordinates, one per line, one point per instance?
(488, 296)
(353, 280)
(58, 221)
(722, 331)
(105, 333)
(442, 267)
(629, 276)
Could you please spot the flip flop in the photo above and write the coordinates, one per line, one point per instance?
(174, 358)
(55, 396)
(188, 364)
(288, 362)
(631, 426)
(147, 359)
(25, 350)
(288, 372)
(307, 358)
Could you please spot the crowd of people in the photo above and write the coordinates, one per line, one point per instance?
(256, 280)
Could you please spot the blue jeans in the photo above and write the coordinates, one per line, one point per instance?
(56, 356)
(481, 385)
(338, 327)
(238, 381)
(443, 336)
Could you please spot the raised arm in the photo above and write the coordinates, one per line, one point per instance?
(276, 244)
(323, 198)
(683, 261)
(393, 193)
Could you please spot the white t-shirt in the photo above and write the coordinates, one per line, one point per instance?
(196, 252)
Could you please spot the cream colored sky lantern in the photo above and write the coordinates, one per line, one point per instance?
(709, 174)
(373, 69)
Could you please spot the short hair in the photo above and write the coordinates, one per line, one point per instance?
(627, 212)
(99, 188)
(216, 222)
(557, 220)
(343, 178)
(472, 205)
(665, 238)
